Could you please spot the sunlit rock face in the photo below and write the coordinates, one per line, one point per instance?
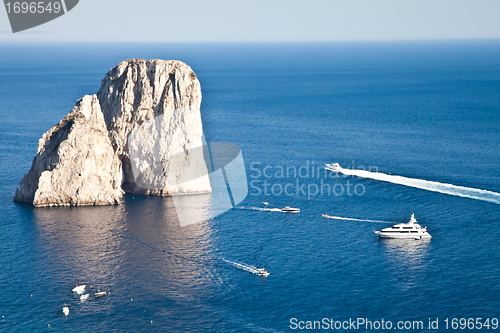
(75, 164)
(148, 107)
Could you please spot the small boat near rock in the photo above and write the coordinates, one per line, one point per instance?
(79, 289)
(335, 167)
(289, 209)
(262, 272)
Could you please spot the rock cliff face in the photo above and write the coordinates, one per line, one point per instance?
(86, 160)
(167, 94)
(75, 163)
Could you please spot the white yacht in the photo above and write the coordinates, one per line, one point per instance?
(289, 209)
(335, 167)
(405, 230)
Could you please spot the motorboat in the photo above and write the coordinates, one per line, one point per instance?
(99, 294)
(79, 289)
(405, 230)
(335, 167)
(265, 203)
(65, 310)
(325, 216)
(289, 209)
(262, 272)
(84, 297)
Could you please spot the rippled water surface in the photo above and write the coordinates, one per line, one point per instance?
(422, 110)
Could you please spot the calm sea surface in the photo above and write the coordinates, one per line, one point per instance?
(424, 110)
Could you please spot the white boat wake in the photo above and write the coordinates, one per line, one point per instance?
(248, 268)
(460, 191)
(359, 220)
(261, 209)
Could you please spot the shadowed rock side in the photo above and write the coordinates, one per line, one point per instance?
(84, 159)
(75, 164)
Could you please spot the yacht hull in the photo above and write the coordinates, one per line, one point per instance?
(396, 236)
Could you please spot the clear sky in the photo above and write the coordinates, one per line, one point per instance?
(266, 21)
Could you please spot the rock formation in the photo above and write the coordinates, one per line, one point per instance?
(86, 160)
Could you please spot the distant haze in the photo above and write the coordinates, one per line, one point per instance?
(266, 21)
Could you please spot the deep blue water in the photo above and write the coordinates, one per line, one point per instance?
(426, 110)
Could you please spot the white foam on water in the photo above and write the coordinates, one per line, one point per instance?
(460, 191)
(248, 268)
(261, 209)
(358, 220)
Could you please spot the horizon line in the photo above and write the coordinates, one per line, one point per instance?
(255, 42)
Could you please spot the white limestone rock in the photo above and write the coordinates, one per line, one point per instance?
(85, 159)
(75, 164)
(164, 98)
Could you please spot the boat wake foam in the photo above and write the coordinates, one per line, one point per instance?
(261, 209)
(460, 191)
(358, 220)
(248, 268)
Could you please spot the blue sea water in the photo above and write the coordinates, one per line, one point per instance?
(424, 110)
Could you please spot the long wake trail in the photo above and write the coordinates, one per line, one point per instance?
(358, 220)
(248, 268)
(460, 191)
(260, 208)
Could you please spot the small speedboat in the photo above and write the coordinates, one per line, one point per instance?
(335, 167)
(289, 209)
(405, 230)
(325, 216)
(99, 294)
(65, 310)
(265, 203)
(262, 272)
(79, 289)
(84, 297)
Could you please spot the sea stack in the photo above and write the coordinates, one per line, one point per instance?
(85, 159)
